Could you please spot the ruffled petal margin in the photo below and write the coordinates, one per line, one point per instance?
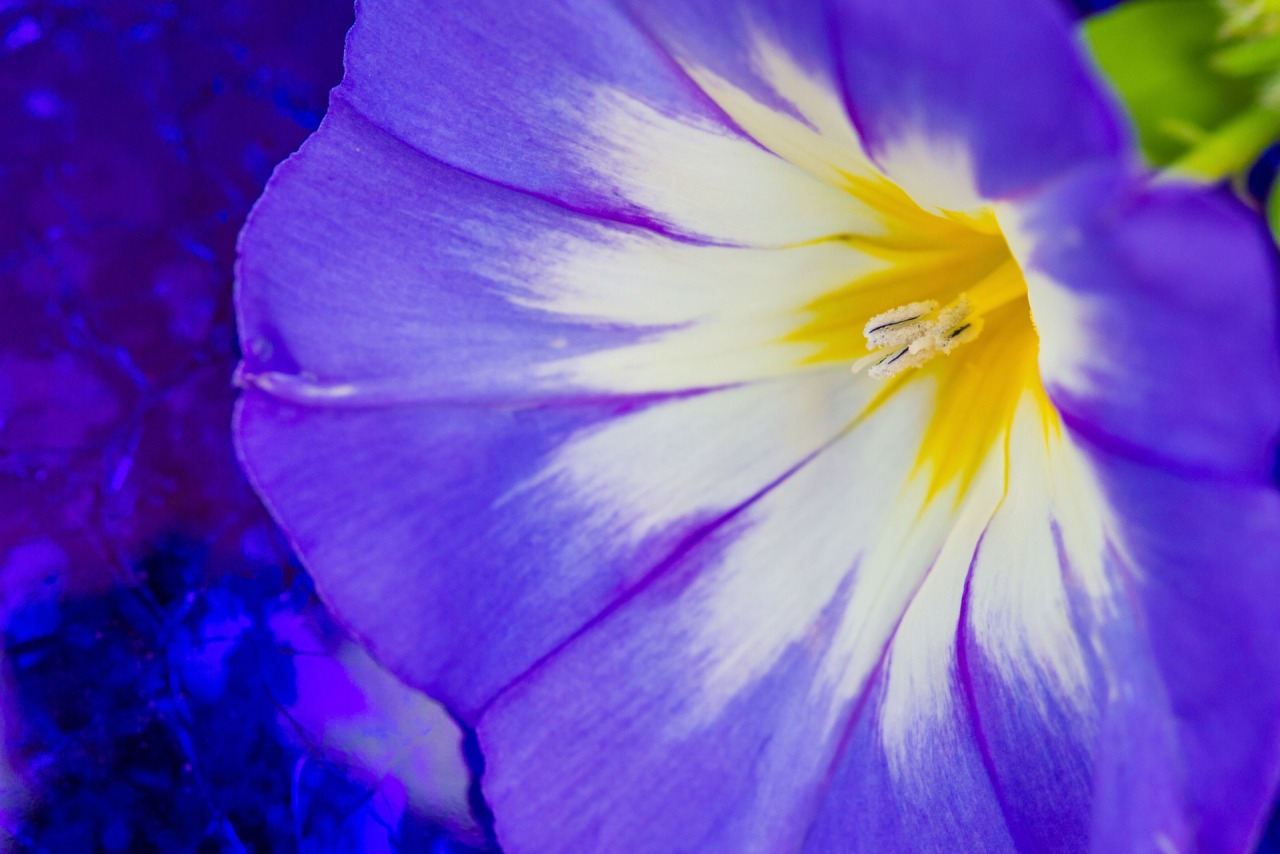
(992, 90)
(570, 102)
(406, 281)
(430, 527)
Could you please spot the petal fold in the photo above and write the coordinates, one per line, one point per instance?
(429, 527)
(702, 714)
(949, 91)
(571, 102)
(362, 286)
(1156, 308)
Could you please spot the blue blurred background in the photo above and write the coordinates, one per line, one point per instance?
(168, 681)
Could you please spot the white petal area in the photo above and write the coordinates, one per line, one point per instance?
(938, 173)
(845, 519)
(703, 683)
(1063, 317)
(995, 647)
(634, 472)
(834, 628)
(818, 137)
(754, 650)
(975, 726)
(715, 183)
(919, 697)
(717, 315)
(1049, 532)
(1029, 524)
(910, 537)
(868, 521)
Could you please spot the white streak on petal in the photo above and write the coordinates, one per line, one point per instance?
(720, 185)
(718, 315)
(1019, 610)
(919, 697)
(1066, 358)
(708, 453)
(794, 551)
(1018, 613)
(918, 532)
(1060, 319)
(937, 173)
(1088, 529)
(824, 143)
(646, 281)
(305, 388)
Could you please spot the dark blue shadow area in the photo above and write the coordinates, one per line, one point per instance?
(1084, 8)
(1262, 175)
(154, 718)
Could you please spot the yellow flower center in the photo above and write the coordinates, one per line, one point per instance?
(949, 307)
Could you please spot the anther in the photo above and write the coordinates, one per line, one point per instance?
(907, 336)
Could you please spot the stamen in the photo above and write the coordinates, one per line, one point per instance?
(906, 337)
(895, 316)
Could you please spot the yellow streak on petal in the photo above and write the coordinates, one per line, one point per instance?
(978, 391)
(978, 388)
(823, 142)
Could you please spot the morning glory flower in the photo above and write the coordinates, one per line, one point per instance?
(780, 427)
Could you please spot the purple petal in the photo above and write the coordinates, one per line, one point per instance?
(702, 714)
(771, 68)
(1156, 313)
(997, 82)
(379, 276)
(985, 647)
(1205, 678)
(1111, 684)
(567, 101)
(947, 803)
(722, 620)
(723, 37)
(520, 525)
(404, 280)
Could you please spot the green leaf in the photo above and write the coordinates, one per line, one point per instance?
(1231, 148)
(1160, 57)
(1244, 59)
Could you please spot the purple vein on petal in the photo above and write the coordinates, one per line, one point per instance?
(858, 706)
(665, 565)
(964, 675)
(390, 392)
(836, 41)
(678, 67)
(632, 220)
(1099, 438)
